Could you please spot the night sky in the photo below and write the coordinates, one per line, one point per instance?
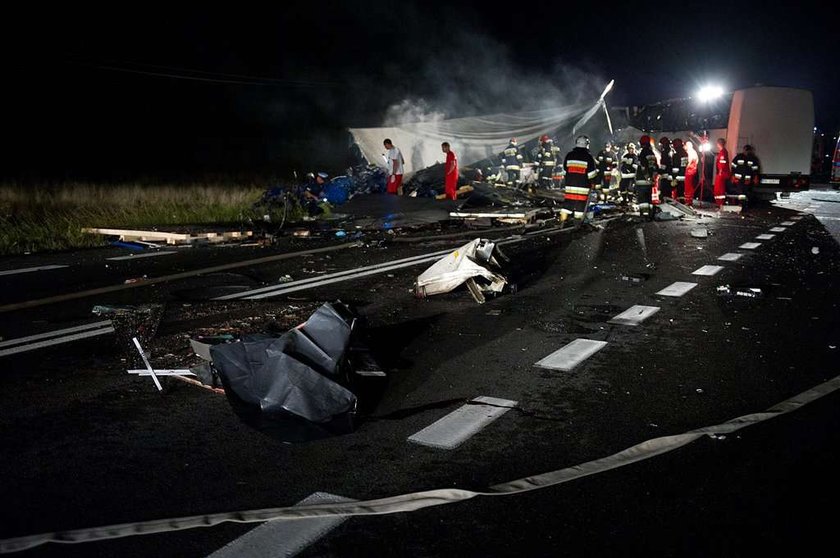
(150, 93)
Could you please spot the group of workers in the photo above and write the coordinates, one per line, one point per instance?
(642, 178)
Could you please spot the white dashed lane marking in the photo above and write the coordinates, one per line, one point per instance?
(778, 229)
(463, 423)
(707, 270)
(765, 237)
(571, 355)
(677, 289)
(731, 257)
(635, 315)
(787, 223)
(31, 269)
(750, 245)
(285, 538)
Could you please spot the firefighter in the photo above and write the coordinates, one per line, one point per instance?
(665, 164)
(691, 173)
(679, 163)
(605, 160)
(745, 167)
(629, 165)
(724, 172)
(559, 171)
(547, 160)
(512, 162)
(646, 175)
(581, 175)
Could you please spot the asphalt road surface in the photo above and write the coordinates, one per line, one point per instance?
(85, 444)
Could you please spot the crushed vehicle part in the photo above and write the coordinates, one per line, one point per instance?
(677, 209)
(298, 385)
(476, 263)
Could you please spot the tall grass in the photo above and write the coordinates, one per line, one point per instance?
(51, 217)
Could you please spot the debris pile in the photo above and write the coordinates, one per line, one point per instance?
(477, 264)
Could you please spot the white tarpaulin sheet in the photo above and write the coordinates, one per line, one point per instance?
(473, 138)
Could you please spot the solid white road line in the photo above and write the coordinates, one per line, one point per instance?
(677, 289)
(462, 424)
(778, 229)
(134, 257)
(55, 333)
(731, 257)
(635, 315)
(707, 270)
(31, 269)
(312, 282)
(285, 538)
(750, 245)
(787, 223)
(56, 341)
(571, 355)
(765, 237)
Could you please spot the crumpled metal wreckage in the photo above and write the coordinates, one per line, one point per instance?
(477, 264)
(298, 385)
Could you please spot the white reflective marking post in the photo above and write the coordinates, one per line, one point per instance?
(31, 269)
(750, 245)
(677, 289)
(146, 362)
(285, 538)
(463, 423)
(635, 315)
(731, 257)
(571, 355)
(765, 237)
(707, 270)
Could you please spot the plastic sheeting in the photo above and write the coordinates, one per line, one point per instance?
(293, 383)
(473, 138)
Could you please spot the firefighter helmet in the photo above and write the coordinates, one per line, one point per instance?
(677, 143)
(513, 141)
(582, 141)
(644, 140)
(664, 141)
(544, 138)
(631, 146)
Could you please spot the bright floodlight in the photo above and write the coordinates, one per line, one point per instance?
(710, 93)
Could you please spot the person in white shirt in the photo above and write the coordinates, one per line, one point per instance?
(395, 163)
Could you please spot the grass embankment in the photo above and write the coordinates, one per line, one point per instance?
(40, 218)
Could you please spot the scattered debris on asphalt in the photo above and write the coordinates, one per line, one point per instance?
(299, 385)
(475, 264)
(746, 292)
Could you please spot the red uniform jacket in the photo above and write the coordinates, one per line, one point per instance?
(722, 163)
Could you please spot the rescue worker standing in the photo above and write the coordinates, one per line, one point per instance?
(665, 164)
(547, 160)
(745, 169)
(512, 162)
(450, 179)
(629, 165)
(646, 177)
(605, 160)
(724, 172)
(581, 174)
(691, 173)
(679, 163)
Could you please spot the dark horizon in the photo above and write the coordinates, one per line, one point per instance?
(181, 94)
